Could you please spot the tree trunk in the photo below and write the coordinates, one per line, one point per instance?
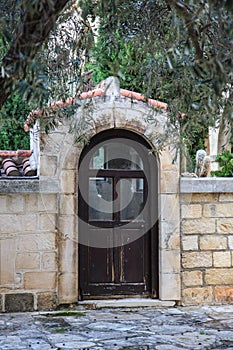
(32, 32)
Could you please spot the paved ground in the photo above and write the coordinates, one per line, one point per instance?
(120, 329)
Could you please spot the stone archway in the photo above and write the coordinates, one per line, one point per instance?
(113, 111)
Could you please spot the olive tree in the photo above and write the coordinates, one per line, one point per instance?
(178, 51)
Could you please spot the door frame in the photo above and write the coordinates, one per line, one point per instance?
(152, 171)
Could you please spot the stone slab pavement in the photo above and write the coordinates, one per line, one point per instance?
(160, 328)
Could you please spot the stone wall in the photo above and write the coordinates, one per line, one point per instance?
(38, 235)
(207, 241)
(28, 250)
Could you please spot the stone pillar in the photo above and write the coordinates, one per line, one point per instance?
(213, 146)
(169, 235)
(67, 222)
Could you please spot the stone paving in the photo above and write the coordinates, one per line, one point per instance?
(174, 328)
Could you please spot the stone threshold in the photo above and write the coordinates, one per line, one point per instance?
(126, 303)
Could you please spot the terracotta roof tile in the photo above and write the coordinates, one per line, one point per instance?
(18, 153)
(140, 97)
(90, 94)
(16, 164)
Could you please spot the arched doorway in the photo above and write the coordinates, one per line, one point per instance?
(118, 211)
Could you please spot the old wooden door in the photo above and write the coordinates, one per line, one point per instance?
(117, 217)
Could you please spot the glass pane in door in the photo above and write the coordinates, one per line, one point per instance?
(100, 198)
(97, 160)
(116, 155)
(131, 199)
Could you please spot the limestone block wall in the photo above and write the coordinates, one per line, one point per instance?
(38, 234)
(207, 241)
(28, 249)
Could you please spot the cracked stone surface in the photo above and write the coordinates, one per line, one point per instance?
(194, 328)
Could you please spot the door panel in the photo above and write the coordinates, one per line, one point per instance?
(96, 264)
(128, 252)
(100, 257)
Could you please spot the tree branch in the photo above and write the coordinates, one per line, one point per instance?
(31, 33)
(184, 13)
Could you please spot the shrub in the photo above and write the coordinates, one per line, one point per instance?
(12, 118)
(225, 161)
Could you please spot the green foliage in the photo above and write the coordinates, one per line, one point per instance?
(15, 110)
(225, 161)
(176, 51)
(41, 54)
(12, 118)
(119, 62)
(62, 58)
(191, 146)
(135, 42)
(3, 47)
(148, 45)
(127, 48)
(52, 73)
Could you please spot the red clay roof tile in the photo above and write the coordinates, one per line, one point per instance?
(16, 167)
(18, 153)
(90, 94)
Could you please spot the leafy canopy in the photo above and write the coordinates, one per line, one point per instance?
(177, 51)
(40, 48)
(180, 52)
(41, 53)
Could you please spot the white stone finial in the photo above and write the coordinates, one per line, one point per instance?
(111, 86)
(200, 155)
